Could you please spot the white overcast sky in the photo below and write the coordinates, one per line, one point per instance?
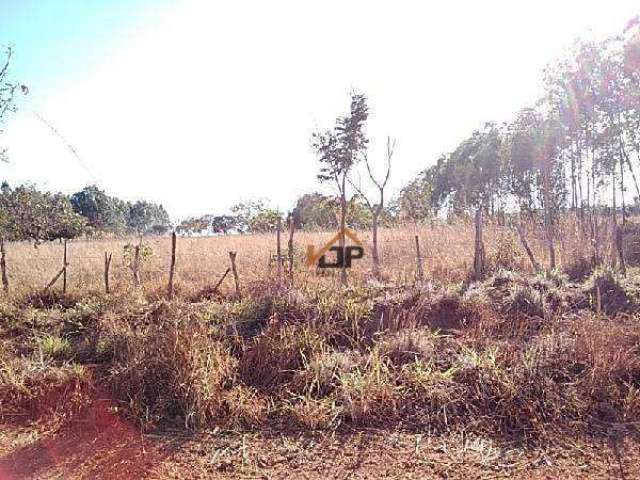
(198, 104)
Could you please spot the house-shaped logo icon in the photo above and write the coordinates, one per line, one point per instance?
(344, 255)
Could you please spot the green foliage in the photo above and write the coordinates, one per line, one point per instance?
(145, 217)
(581, 136)
(28, 214)
(315, 210)
(209, 223)
(340, 148)
(255, 216)
(110, 214)
(53, 347)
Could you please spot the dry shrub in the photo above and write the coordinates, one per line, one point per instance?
(506, 253)
(273, 357)
(610, 361)
(321, 374)
(408, 345)
(30, 390)
(608, 289)
(578, 269)
(313, 414)
(509, 399)
(176, 374)
(244, 407)
(449, 310)
(525, 300)
(368, 395)
(631, 244)
(431, 396)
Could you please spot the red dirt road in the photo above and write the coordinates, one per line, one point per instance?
(105, 447)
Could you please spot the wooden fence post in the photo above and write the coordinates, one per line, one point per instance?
(232, 257)
(224, 275)
(290, 248)
(107, 264)
(3, 267)
(54, 280)
(479, 252)
(279, 251)
(419, 267)
(172, 267)
(64, 265)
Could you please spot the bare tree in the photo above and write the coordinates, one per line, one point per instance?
(376, 208)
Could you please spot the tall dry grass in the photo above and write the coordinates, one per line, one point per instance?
(447, 250)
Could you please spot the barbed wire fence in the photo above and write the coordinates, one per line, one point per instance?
(130, 265)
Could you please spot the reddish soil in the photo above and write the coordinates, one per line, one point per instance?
(105, 447)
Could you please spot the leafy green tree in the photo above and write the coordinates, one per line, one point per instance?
(28, 214)
(255, 216)
(339, 149)
(102, 212)
(315, 210)
(146, 217)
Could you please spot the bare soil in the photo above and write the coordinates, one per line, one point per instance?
(104, 446)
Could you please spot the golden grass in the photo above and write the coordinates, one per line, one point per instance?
(447, 250)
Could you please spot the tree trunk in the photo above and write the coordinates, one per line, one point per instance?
(343, 226)
(374, 254)
(633, 173)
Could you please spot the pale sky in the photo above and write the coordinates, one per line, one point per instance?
(199, 104)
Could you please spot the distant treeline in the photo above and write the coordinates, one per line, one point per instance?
(27, 213)
(577, 147)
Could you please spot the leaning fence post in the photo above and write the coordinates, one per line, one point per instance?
(232, 257)
(3, 267)
(419, 266)
(479, 252)
(64, 266)
(107, 264)
(54, 280)
(172, 268)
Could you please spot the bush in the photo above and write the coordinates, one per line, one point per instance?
(176, 374)
(607, 290)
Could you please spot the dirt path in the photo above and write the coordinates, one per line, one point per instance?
(105, 447)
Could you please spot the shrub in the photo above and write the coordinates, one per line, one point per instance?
(409, 345)
(607, 290)
(53, 347)
(368, 394)
(273, 357)
(176, 374)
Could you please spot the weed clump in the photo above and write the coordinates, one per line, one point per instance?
(607, 291)
(177, 374)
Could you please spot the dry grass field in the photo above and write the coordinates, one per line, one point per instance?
(519, 374)
(447, 250)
